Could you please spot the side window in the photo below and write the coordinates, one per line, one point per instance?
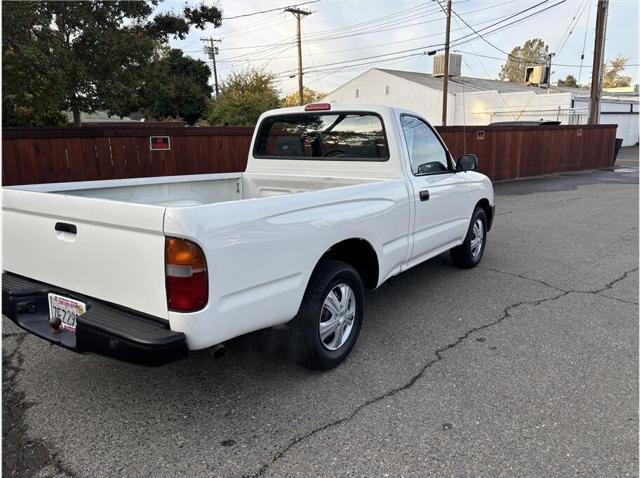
(426, 154)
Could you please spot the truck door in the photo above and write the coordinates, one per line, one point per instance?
(440, 195)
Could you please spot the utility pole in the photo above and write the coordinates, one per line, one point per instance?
(445, 87)
(211, 50)
(598, 60)
(299, 14)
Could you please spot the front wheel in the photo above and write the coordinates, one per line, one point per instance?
(469, 253)
(330, 316)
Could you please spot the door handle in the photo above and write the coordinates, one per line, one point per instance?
(424, 195)
(66, 227)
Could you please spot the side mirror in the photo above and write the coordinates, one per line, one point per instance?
(467, 162)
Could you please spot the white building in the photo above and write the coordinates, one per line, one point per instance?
(478, 101)
(621, 110)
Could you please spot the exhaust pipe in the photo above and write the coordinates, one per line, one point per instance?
(218, 351)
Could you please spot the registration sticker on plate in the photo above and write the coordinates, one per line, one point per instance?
(67, 310)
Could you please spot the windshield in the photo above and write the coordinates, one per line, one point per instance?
(334, 136)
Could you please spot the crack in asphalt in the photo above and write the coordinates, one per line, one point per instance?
(439, 356)
(513, 274)
(600, 291)
(610, 285)
(44, 457)
(21, 455)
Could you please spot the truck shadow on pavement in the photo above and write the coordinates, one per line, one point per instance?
(255, 391)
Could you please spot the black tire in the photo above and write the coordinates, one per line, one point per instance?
(463, 256)
(310, 350)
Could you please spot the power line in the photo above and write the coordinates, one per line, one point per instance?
(323, 38)
(371, 31)
(502, 27)
(312, 60)
(376, 56)
(456, 42)
(270, 10)
(364, 31)
(263, 51)
(274, 49)
(486, 70)
(479, 34)
(344, 67)
(374, 24)
(572, 25)
(244, 56)
(368, 46)
(384, 18)
(251, 27)
(524, 61)
(584, 42)
(388, 62)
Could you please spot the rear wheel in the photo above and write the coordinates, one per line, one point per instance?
(469, 253)
(330, 316)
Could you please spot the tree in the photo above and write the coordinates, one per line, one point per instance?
(308, 95)
(244, 96)
(533, 52)
(84, 56)
(569, 81)
(612, 76)
(177, 86)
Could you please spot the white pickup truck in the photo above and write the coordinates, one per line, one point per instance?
(335, 199)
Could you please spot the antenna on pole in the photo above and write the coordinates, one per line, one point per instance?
(211, 50)
(298, 13)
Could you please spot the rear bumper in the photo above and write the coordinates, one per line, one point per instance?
(103, 329)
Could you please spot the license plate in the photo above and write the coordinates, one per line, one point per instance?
(67, 310)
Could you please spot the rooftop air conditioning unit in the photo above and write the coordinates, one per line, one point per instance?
(536, 75)
(455, 64)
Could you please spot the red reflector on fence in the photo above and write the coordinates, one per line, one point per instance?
(159, 143)
(318, 107)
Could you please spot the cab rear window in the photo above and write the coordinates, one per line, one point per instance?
(337, 136)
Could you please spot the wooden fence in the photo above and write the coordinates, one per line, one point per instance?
(507, 152)
(123, 151)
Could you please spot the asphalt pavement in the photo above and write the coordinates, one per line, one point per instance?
(524, 366)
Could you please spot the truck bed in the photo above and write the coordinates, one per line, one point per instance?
(195, 190)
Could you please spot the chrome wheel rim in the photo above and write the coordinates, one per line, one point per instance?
(477, 236)
(337, 317)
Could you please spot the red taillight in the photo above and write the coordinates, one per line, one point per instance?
(186, 275)
(318, 107)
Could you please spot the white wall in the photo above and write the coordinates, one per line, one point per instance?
(378, 87)
(372, 86)
(623, 114)
(627, 127)
(479, 108)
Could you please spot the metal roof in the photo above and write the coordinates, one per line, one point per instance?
(458, 84)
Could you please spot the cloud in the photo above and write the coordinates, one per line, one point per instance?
(337, 31)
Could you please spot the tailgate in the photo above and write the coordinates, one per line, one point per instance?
(116, 254)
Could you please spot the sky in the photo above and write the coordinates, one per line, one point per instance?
(340, 37)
